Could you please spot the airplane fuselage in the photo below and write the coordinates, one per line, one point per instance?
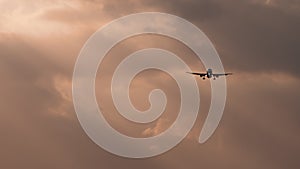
(209, 73)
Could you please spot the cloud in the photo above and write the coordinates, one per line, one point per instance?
(257, 40)
(159, 127)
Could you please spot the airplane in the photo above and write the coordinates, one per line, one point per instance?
(209, 74)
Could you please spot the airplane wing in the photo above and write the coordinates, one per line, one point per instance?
(224, 74)
(199, 74)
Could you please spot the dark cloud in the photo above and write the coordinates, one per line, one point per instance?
(249, 36)
(258, 38)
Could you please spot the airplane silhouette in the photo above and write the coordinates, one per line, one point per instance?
(209, 74)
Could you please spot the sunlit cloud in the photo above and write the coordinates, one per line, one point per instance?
(24, 16)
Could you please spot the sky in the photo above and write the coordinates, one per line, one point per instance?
(258, 40)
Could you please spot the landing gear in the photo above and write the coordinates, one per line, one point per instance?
(215, 78)
(203, 78)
